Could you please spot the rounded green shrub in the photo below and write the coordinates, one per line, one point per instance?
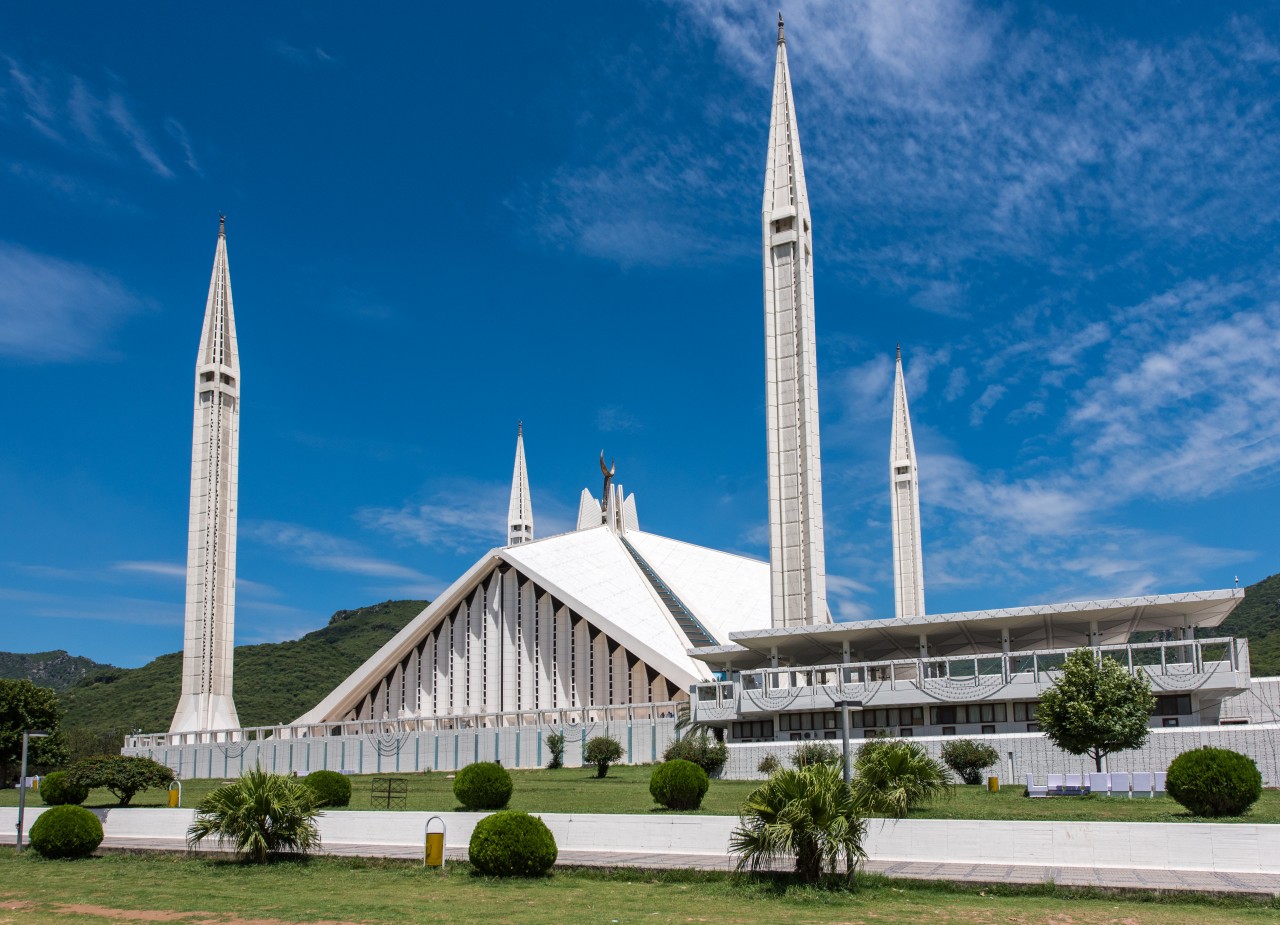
(330, 787)
(769, 763)
(484, 785)
(56, 789)
(678, 784)
(706, 751)
(66, 832)
(1214, 781)
(512, 844)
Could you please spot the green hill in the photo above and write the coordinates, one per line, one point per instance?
(1258, 620)
(274, 682)
(57, 669)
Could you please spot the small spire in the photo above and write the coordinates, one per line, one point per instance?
(899, 353)
(222, 224)
(519, 428)
(782, 39)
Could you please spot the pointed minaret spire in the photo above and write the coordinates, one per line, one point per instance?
(520, 513)
(796, 555)
(206, 702)
(908, 560)
(782, 39)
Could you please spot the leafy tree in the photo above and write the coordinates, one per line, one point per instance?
(700, 747)
(262, 814)
(803, 812)
(24, 706)
(896, 776)
(602, 751)
(969, 758)
(816, 753)
(555, 745)
(123, 775)
(1096, 707)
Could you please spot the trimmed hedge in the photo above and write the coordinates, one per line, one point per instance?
(66, 832)
(602, 751)
(330, 787)
(57, 789)
(484, 785)
(678, 784)
(1214, 781)
(704, 750)
(512, 844)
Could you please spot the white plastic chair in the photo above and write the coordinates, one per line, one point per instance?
(1158, 787)
(1034, 790)
(1120, 784)
(1143, 784)
(1100, 784)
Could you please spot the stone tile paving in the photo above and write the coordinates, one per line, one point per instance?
(1106, 877)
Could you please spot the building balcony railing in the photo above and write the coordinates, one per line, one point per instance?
(1176, 666)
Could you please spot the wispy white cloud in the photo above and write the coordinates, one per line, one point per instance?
(302, 57)
(53, 310)
(163, 569)
(67, 109)
(326, 552)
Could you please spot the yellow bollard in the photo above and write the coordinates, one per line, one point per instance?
(993, 785)
(175, 794)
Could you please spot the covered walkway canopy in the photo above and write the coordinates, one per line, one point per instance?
(1013, 629)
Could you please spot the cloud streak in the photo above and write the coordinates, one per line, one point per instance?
(53, 310)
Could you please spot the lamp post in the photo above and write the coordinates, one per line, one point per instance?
(22, 780)
(844, 706)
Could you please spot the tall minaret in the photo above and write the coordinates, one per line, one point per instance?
(796, 560)
(211, 550)
(908, 561)
(520, 513)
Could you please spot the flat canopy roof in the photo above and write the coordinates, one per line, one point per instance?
(1040, 626)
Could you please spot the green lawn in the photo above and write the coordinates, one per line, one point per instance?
(173, 888)
(626, 790)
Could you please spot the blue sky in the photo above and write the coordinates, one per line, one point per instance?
(443, 220)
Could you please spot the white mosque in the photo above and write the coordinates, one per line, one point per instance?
(609, 624)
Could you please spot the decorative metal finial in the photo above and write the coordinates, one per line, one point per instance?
(519, 428)
(222, 224)
(609, 472)
(899, 353)
(782, 39)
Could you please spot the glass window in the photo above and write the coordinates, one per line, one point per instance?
(988, 730)
(948, 730)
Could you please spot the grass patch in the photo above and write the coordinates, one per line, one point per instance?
(626, 790)
(371, 892)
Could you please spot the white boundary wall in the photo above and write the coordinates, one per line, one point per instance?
(644, 743)
(1220, 847)
(408, 752)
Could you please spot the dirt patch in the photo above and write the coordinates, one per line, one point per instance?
(13, 905)
(164, 915)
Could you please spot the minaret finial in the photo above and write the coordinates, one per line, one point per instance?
(222, 224)
(899, 353)
(519, 428)
(782, 39)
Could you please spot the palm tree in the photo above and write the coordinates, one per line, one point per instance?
(895, 777)
(807, 813)
(262, 814)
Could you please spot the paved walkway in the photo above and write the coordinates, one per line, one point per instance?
(1106, 877)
